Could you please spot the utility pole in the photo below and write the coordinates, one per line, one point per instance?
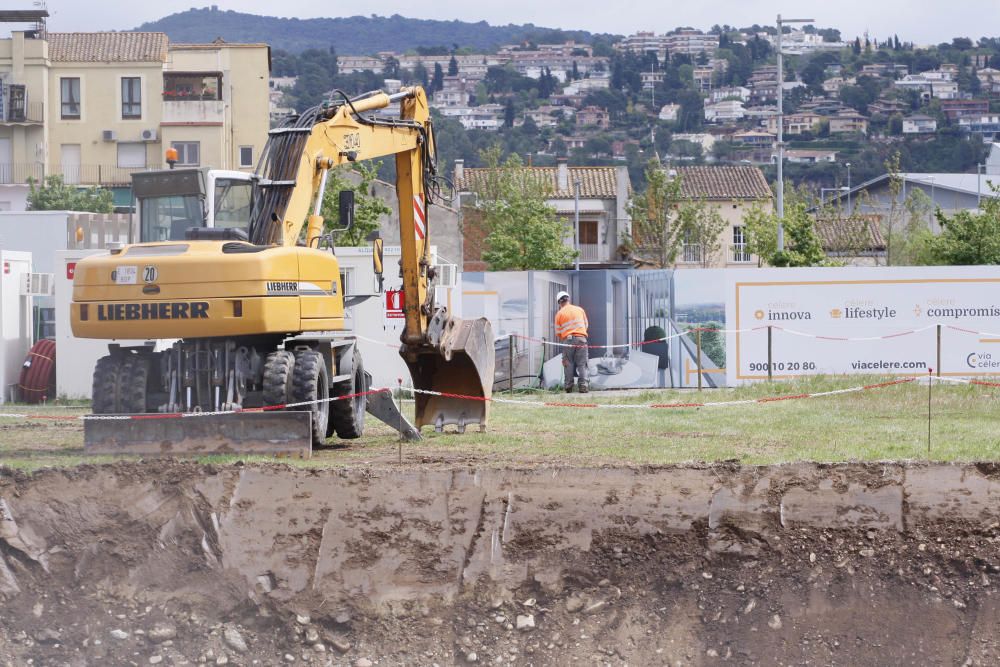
(781, 133)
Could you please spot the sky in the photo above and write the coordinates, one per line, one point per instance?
(919, 21)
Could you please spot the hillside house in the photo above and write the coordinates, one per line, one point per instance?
(601, 192)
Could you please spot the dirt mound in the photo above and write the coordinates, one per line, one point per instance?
(175, 563)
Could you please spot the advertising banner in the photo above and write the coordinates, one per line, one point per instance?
(875, 321)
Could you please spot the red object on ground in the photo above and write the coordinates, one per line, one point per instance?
(38, 374)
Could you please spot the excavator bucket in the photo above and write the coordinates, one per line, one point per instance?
(457, 369)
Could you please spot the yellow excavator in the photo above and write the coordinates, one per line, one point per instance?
(237, 289)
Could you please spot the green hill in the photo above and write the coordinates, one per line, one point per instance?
(355, 35)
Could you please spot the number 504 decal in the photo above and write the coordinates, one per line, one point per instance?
(352, 141)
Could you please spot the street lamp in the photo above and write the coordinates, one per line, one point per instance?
(781, 132)
(576, 220)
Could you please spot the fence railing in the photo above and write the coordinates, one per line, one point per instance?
(32, 112)
(739, 253)
(97, 174)
(592, 252)
(97, 230)
(692, 252)
(17, 173)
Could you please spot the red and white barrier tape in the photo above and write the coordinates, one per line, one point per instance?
(507, 401)
(179, 415)
(627, 406)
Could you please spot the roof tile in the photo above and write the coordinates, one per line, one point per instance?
(595, 182)
(106, 47)
(723, 182)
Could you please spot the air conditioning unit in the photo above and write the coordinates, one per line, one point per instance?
(447, 275)
(109, 135)
(149, 135)
(37, 284)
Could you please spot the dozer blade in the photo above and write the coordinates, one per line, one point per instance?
(458, 359)
(272, 432)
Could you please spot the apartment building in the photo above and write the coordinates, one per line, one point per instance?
(691, 42)
(95, 107)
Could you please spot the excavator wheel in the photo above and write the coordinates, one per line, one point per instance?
(310, 382)
(105, 387)
(347, 416)
(133, 381)
(278, 372)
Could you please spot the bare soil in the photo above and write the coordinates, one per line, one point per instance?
(177, 563)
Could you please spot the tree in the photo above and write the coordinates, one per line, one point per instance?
(509, 113)
(368, 209)
(420, 75)
(55, 195)
(437, 82)
(664, 222)
(967, 238)
(802, 244)
(523, 231)
(453, 66)
(390, 69)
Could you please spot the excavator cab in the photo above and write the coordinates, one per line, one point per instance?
(171, 202)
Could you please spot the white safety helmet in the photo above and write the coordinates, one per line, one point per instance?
(561, 295)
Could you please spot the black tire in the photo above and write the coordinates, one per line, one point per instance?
(347, 416)
(278, 377)
(133, 383)
(104, 394)
(311, 382)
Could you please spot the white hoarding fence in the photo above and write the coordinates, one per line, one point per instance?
(871, 321)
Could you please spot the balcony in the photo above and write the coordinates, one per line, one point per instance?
(593, 253)
(97, 174)
(85, 174)
(33, 113)
(193, 111)
(19, 173)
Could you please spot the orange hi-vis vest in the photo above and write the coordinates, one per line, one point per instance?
(571, 321)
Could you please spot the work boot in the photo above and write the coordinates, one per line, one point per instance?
(569, 389)
(584, 389)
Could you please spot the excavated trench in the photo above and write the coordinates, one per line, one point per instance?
(177, 563)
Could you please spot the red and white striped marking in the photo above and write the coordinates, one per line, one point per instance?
(419, 217)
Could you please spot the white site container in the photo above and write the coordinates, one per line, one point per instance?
(15, 320)
(75, 357)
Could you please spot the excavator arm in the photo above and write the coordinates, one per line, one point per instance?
(445, 355)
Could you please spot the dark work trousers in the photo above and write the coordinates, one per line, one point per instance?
(575, 361)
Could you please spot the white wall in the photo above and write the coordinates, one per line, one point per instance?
(15, 319)
(13, 197)
(75, 357)
(379, 336)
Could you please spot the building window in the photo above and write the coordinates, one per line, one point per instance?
(740, 253)
(246, 156)
(131, 155)
(131, 97)
(70, 97)
(192, 87)
(188, 153)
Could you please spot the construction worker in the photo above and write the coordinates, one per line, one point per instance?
(571, 328)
